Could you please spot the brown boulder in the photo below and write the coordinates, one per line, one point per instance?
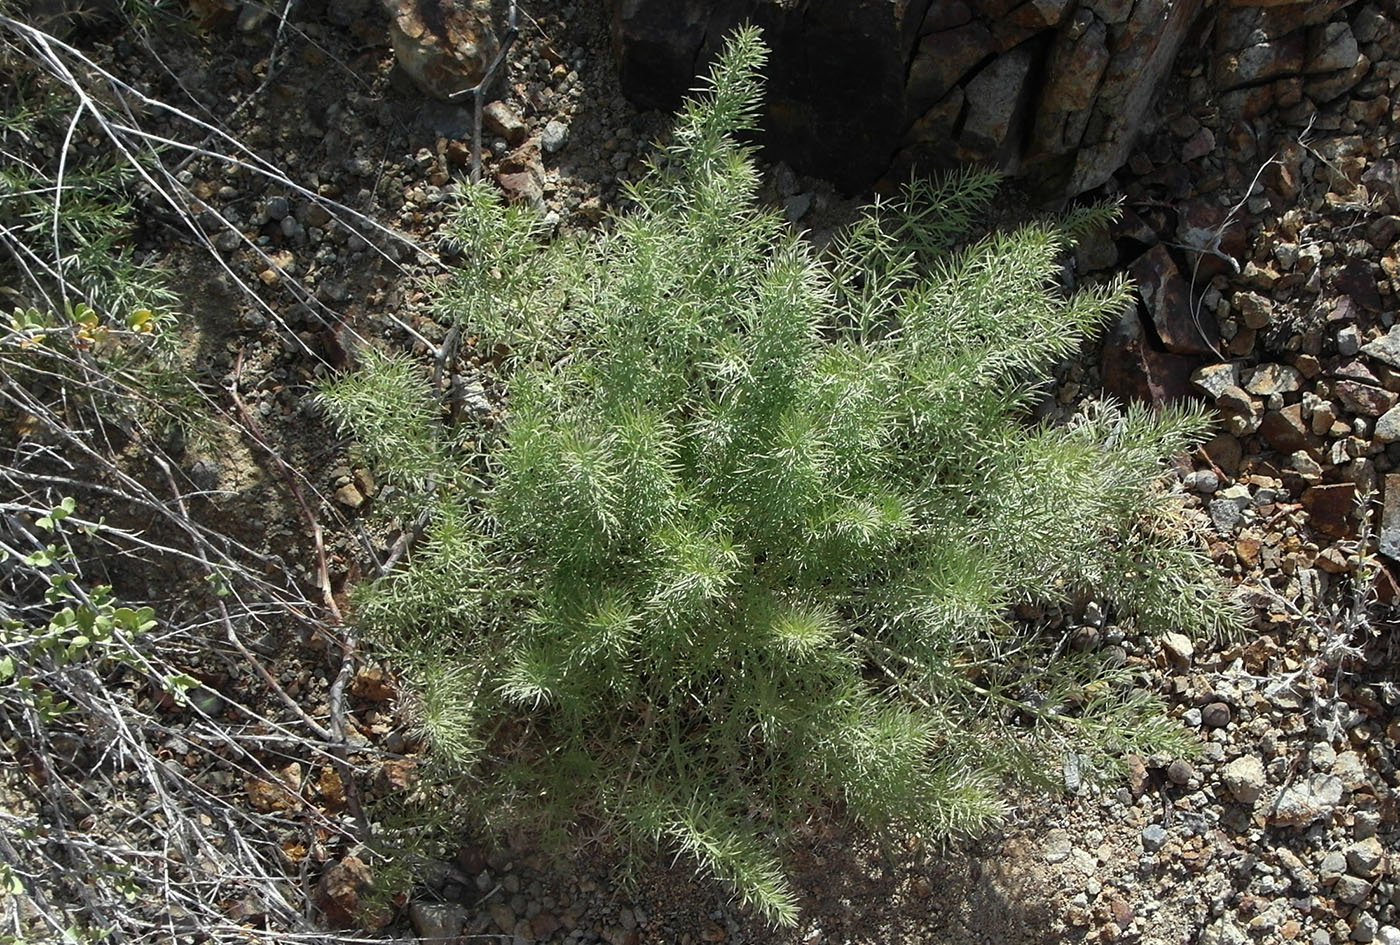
(444, 46)
(1330, 509)
(942, 59)
(1286, 431)
(1134, 371)
(343, 896)
(997, 98)
(1183, 327)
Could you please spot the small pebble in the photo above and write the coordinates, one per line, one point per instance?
(1180, 771)
(554, 136)
(1216, 715)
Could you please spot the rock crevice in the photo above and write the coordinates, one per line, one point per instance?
(1056, 91)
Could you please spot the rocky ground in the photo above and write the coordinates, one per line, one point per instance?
(1263, 240)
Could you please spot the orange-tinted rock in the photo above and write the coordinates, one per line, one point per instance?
(343, 893)
(445, 46)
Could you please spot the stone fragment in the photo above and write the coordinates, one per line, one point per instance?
(1057, 846)
(1351, 770)
(1242, 345)
(1327, 86)
(1255, 310)
(1214, 378)
(1304, 802)
(1307, 467)
(1365, 858)
(1180, 771)
(1352, 890)
(277, 207)
(1198, 146)
(544, 925)
(437, 923)
(1138, 777)
(1364, 928)
(1333, 560)
(364, 480)
(1204, 481)
(996, 98)
(504, 917)
(1286, 431)
(1224, 514)
(522, 175)
(1077, 63)
(1244, 779)
(1252, 65)
(1386, 348)
(1134, 371)
(1224, 931)
(1272, 378)
(349, 496)
(1234, 400)
(1224, 452)
(1178, 648)
(1358, 280)
(1383, 231)
(1332, 867)
(331, 789)
(374, 684)
(314, 214)
(342, 896)
(1348, 341)
(500, 119)
(1363, 398)
(1331, 47)
(1383, 179)
(1323, 416)
(1143, 47)
(1154, 837)
(554, 136)
(282, 794)
(1388, 426)
(796, 207)
(1183, 327)
(942, 59)
(444, 46)
(1330, 508)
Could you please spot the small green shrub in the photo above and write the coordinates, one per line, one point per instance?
(753, 531)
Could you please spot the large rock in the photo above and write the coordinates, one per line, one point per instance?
(444, 46)
(1143, 46)
(866, 90)
(1304, 802)
(1134, 369)
(1183, 326)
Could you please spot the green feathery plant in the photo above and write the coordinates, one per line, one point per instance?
(753, 533)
